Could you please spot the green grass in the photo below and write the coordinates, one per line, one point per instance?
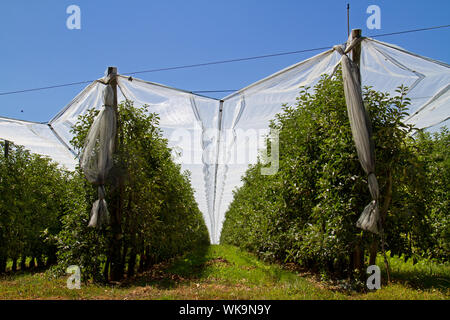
(225, 272)
(424, 274)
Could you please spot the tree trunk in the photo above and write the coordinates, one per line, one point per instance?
(51, 259)
(358, 258)
(116, 267)
(387, 198)
(2, 264)
(32, 263)
(106, 270)
(116, 271)
(141, 261)
(133, 244)
(39, 261)
(132, 262)
(124, 254)
(147, 262)
(384, 210)
(116, 244)
(14, 265)
(373, 252)
(23, 263)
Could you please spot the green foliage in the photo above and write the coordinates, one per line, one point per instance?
(77, 244)
(306, 213)
(159, 217)
(421, 228)
(35, 193)
(437, 168)
(419, 273)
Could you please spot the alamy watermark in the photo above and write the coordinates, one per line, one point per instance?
(374, 20)
(74, 19)
(209, 146)
(74, 281)
(374, 280)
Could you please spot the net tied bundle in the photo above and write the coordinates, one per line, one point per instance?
(97, 156)
(362, 136)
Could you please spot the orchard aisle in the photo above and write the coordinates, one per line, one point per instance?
(214, 272)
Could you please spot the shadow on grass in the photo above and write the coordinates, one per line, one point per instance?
(271, 270)
(9, 274)
(424, 274)
(170, 274)
(197, 264)
(420, 279)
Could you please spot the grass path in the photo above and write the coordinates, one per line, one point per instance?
(215, 272)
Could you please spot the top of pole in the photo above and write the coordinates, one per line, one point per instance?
(356, 51)
(348, 19)
(111, 79)
(112, 71)
(110, 76)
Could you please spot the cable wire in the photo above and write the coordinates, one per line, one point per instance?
(45, 88)
(227, 61)
(408, 31)
(220, 62)
(213, 91)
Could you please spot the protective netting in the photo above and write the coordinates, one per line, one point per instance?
(217, 140)
(96, 159)
(362, 134)
(38, 138)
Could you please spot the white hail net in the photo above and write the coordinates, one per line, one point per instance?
(219, 139)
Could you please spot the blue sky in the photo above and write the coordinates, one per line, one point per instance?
(38, 50)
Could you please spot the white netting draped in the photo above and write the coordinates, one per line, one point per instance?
(96, 158)
(38, 138)
(217, 140)
(362, 135)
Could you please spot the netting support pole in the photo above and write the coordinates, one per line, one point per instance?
(356, 51)
(114, 258)
(348, 19)
(112, 80)
(356, 57)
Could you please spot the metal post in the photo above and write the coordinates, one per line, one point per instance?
(348, 19)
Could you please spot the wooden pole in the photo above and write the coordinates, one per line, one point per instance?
(356, 51)
(112, 80)
(348, 19)
(355, 54)
(115, 258)
(356, 57)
